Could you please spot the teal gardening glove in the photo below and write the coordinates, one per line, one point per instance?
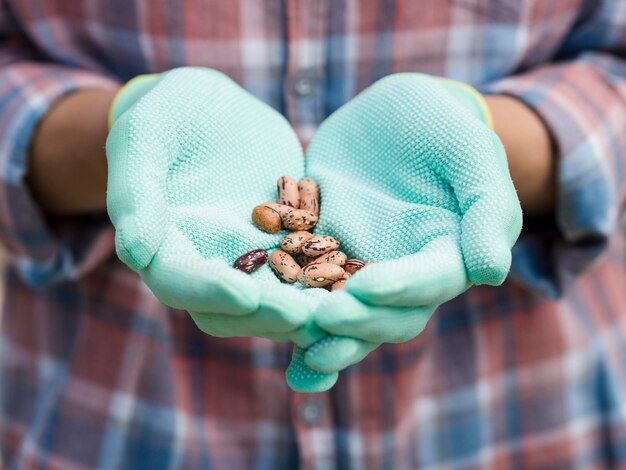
(412, 176)
(190, 153)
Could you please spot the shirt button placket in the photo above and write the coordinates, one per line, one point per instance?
(311, 412)
(304, 84)
(312, 421)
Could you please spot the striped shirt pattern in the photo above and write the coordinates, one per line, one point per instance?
(96, 373)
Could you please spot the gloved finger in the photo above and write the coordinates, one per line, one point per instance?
(139, 225)
(301, 378)
(306, 335)
(334, 353)
(433, 275)
(303, 337)
(344, 315)
(283, 313)
(181, 278)
(492, 216)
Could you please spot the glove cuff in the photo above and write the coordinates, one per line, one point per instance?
(129, 94)
(470, 98)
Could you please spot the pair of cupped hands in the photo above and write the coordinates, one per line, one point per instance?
(410, 175)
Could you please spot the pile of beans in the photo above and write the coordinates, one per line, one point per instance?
(312, 260)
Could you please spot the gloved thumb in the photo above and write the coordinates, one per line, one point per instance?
(492, 218)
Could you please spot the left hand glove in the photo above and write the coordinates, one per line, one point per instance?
(190, 153)
(411, 175)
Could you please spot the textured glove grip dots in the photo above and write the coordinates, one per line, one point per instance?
(409, 176)
(129, 94)
(470, 98)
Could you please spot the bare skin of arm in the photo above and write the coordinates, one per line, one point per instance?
(530, 153)
(68, 170)
(68, 167)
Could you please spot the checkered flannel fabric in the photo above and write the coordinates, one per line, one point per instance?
(96, 373)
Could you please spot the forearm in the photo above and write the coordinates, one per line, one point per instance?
(68, 170)
(529, 151)
(68, 163)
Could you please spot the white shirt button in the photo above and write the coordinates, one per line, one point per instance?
(311, 412)
(304, 84)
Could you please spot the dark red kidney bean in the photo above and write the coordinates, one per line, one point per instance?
(251, 261)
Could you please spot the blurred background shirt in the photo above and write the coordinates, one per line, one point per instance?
(95, 372)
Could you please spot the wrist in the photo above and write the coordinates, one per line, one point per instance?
(67, 171)
(529, 150)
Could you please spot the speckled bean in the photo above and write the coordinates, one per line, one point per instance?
(319, 245)
(353, 265)
(304, 259)
(282, 209)
(334, 257)
(320, 274)
(341, 283)
(298, 219)
(293, 242)
(288, 193)
(284, 265)
(251, 261)
(309, 195)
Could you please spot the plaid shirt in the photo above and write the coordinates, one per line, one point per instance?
(96, 373)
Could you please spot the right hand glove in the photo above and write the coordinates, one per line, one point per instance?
(411, 175)
(190, 153)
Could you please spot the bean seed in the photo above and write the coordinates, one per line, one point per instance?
(319, 245)
(309, 195)
(353, 265)
(251, 261)
(288, 193)
(334, 257)
(293, 242)
(298, 219)
(320, 274)
(266, 219)
(304, 259)
(284, 265)
(282, 209)
(341, 283)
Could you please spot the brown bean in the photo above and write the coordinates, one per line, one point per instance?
(288, 193)
(320, 274)
(334, 257)
(297, 219)
(309, 195)
(353, 265)
(319, 245)
(293, 242)
(266, 219)
(251, 261)
(284, 265)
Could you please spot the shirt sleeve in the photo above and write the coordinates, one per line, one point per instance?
(29, 86)
(581, 96)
